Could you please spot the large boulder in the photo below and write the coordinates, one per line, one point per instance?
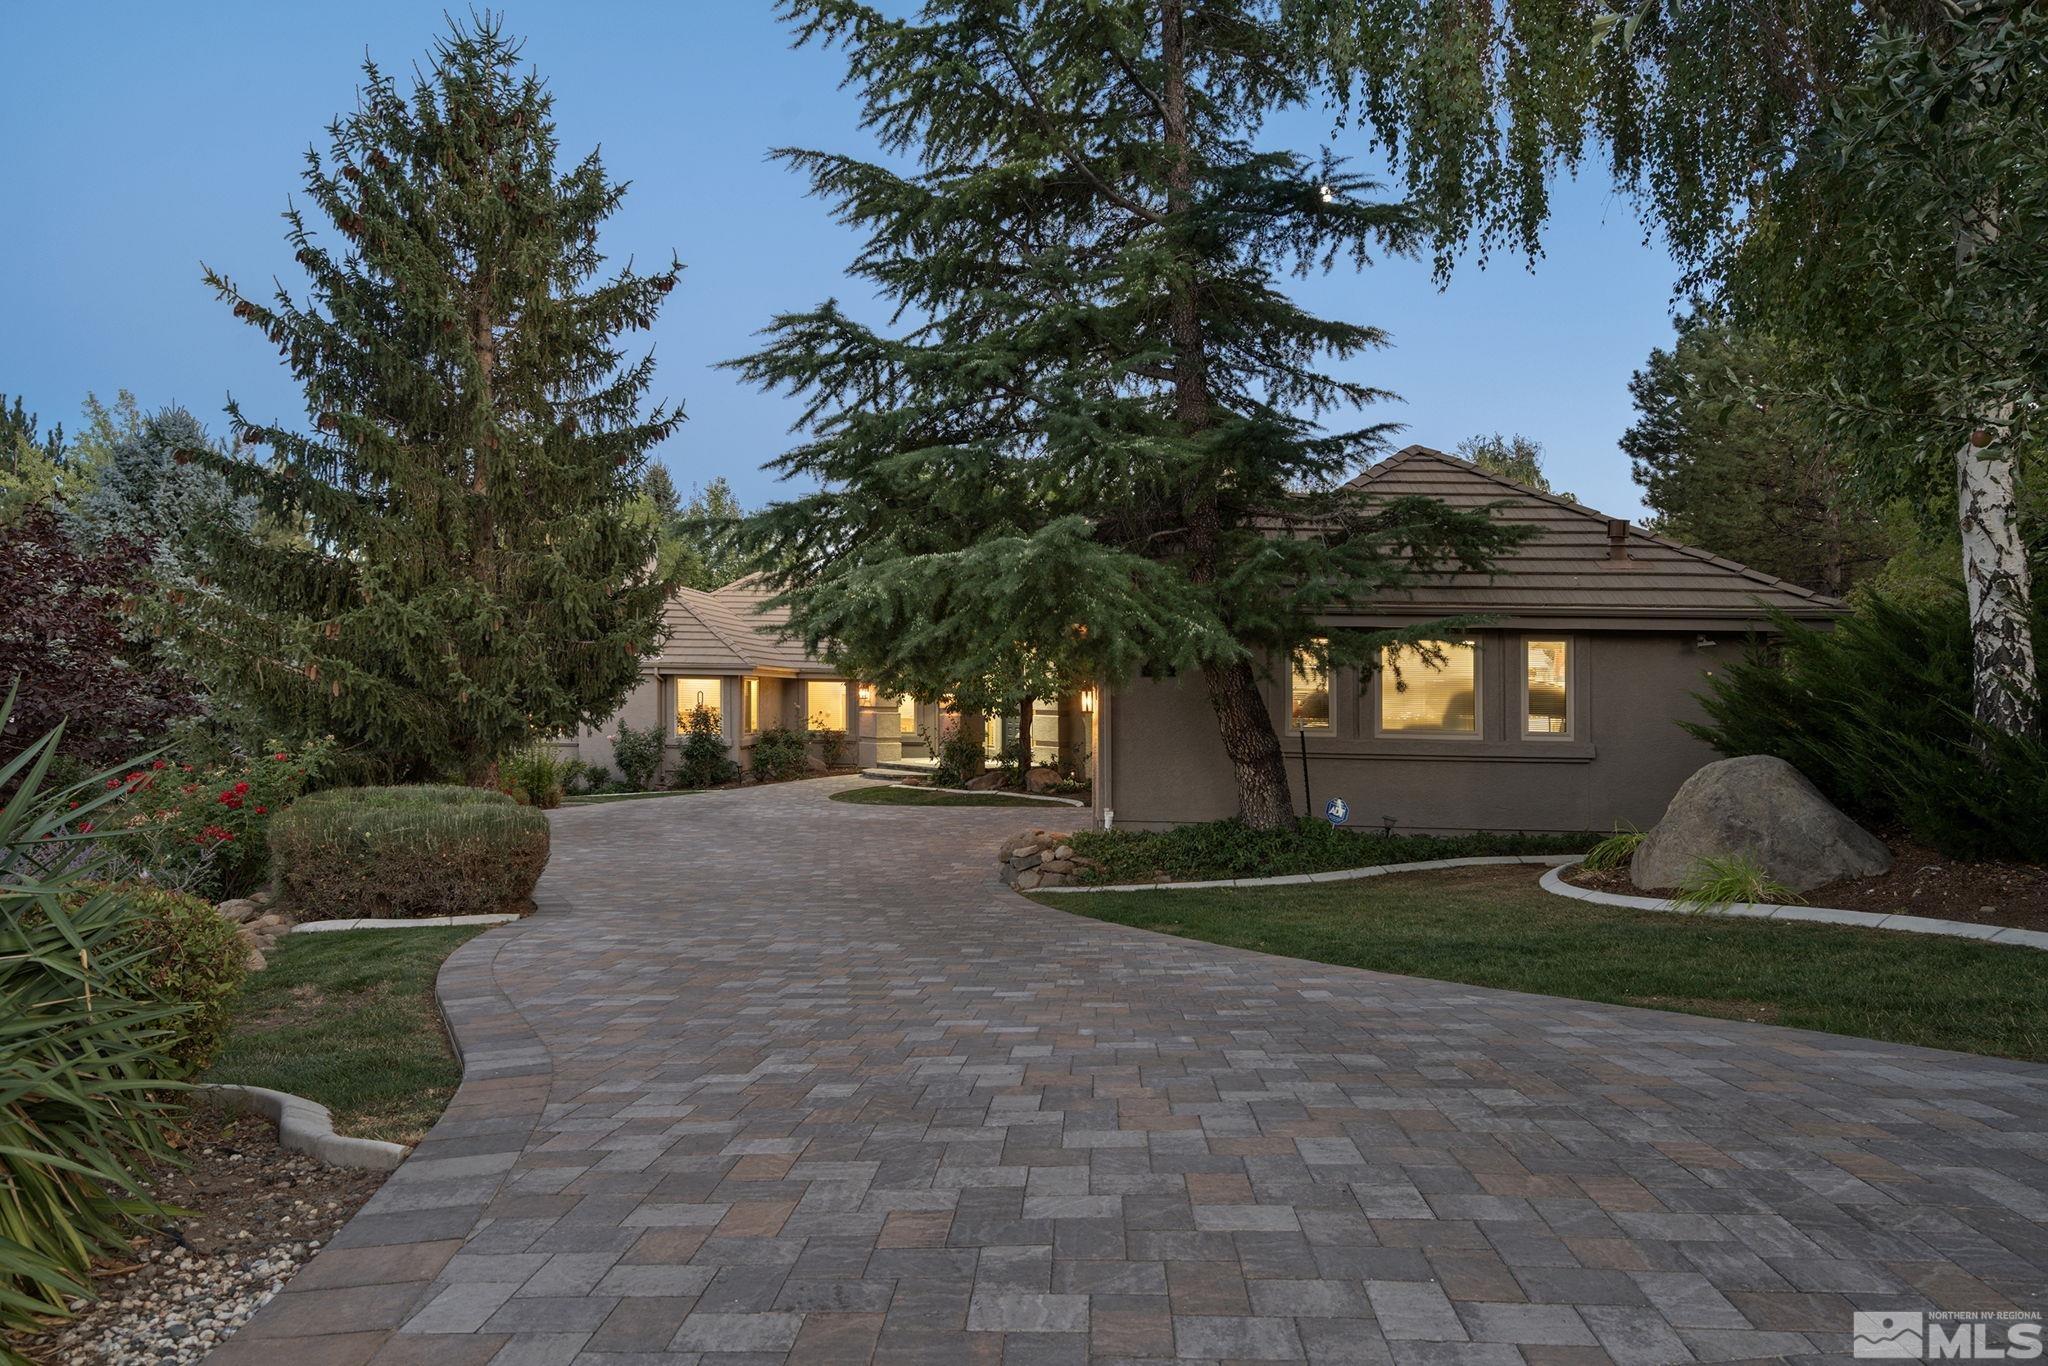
(1763, 809)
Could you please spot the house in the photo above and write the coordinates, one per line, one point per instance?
(1558, 711)
(724, 651)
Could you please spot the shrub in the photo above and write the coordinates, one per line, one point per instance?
(1614, 851)
(205, 830)
(539, 775)
(1220, 849)
(778, 754)
(1715, 882)
(831, 742)
(704, 761)
(408, 851)
(189, 956)
(596, 778)
(961, 757)
(1876, 712)
(84, 1058)
(638, 755)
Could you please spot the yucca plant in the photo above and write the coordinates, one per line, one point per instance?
(1613, 852)
(1713, 882)
(84, 1100)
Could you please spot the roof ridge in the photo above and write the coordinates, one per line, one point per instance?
(685, 594)
(1411, 453)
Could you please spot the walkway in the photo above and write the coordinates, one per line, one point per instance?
(775, 1078)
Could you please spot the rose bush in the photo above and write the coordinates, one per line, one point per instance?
(205, 830)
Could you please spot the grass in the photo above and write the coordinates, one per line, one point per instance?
(894, 794)
(1231, 849)
(1494, 927)
(347, 1018)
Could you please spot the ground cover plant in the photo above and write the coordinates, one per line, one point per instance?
(408, 851)
(347, 1018)
(897, 794)
(1493, 927)
(1230, 849)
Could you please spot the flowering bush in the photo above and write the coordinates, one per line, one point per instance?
(205, 831)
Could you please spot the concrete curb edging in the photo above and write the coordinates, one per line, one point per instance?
(397, 923)
(1296, 879)
(306, 1126)
(1553, 881)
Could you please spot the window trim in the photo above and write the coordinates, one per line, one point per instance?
(1574, 699)
(1481, 731)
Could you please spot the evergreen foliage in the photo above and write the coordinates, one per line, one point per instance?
(469, 574)
(704, 761)
(1102, 441)
(637, 752)
(1511, 457)
(149, 488)
(779, 754)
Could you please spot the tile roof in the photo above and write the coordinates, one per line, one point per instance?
(1568, 570)
(731, 630)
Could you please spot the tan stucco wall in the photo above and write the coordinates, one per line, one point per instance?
(1626, 757)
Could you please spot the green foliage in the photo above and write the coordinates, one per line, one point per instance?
(539, 774)
(831, 742)
(1714, 882)
(1231, 849)
(204, 830)
(186, 955)
(779, 754)
(637, 752)
(961, 756)
(1876, 712)
(1511, 457)
(469, 571)
(1113, 438)
(85, 1056)
(1613, 852)
(1734, 459)
(704, 761)
(408, 851)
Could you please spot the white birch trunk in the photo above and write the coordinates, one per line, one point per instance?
(2000, 594)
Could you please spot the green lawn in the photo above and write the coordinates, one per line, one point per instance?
(894, 794)
(347, 1018)
(1494, 927)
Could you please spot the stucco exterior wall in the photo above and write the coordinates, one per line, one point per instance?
(1625, 757)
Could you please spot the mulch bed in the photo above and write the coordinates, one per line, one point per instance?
(1921, 882)
(257, 1213)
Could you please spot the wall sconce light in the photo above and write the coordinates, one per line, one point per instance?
(1087, 700)
(867, 694)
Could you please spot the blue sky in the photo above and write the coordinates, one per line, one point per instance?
(138, 140)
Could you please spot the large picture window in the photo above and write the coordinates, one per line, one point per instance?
(1424, 696)
(692, 693)
(750, 704)
(1546, 688)
(1308, 694)
(906, 715)
(825, 706)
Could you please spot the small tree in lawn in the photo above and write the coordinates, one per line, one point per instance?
(1103, 443)
(470, 574)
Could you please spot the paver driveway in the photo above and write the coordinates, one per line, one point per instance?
(772, 1077)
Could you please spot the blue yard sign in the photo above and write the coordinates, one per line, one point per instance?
(1336, 810)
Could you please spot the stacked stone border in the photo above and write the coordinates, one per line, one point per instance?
(1553, 881)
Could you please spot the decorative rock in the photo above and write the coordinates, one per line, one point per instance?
(1761, 808)
(1027, 880)
(1064, 851)
(1041, 780)
(983, 782)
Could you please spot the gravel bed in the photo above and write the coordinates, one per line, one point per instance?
(257, 1213)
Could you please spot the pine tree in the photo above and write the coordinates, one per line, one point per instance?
(469, 575)
(149, 487)
(1103, 447)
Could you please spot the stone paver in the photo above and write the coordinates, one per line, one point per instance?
(775, 1078)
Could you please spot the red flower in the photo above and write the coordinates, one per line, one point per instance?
(74, 806)
(262, 810)
(113, 783)
(85, 827)
(161, 764)
(280, 756)
(241, 787)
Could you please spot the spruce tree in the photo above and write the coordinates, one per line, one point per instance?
(1101, 443)
(469, 574)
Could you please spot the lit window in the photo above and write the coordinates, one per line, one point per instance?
(1419, 695)
(692, 693)
(825, 706)
(750, 703)
(1308, 694)
(906, 715)
(1548, 688)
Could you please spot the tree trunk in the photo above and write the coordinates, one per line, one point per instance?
(1024, 710)
(2000, 593)
(1253, 747)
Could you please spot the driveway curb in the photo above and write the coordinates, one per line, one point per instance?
(307, 1126)
(1297, 879)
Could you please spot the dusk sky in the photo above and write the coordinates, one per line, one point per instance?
(138, 140)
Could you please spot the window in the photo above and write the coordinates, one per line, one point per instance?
(692, 693)
(1546, 688)
(750, 704)
(1308, 694)
(825, 706)
(1420, 696)
(906, 715)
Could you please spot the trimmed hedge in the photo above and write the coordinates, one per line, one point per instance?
(191, 957)
(1231, 849)
(407, 851)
